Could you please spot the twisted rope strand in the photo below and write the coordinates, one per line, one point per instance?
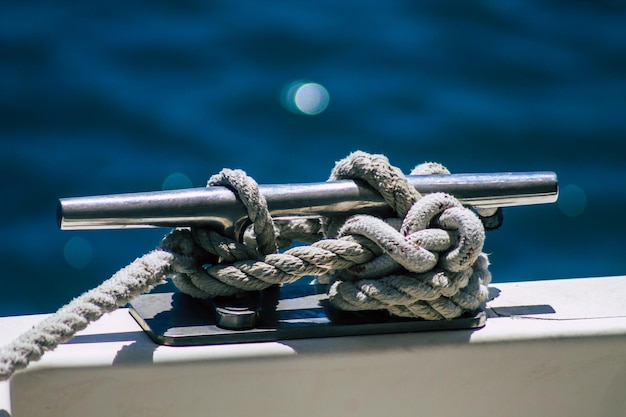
(140, 276)
(379, 174)
(248, 191)
(382, 176)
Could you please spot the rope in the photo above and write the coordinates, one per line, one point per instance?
(248, 191)
(425, 263)
(138, 277)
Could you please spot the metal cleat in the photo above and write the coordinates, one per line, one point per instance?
(217, 207)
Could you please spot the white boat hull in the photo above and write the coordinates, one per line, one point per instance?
(549, 348)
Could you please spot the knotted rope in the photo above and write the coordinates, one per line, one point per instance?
(428, 266)
(425, 263)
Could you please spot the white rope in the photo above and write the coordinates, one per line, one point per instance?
(248, 191)
(138, 277)
(427, 263)
(437, 235)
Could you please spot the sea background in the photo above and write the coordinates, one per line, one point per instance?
(110, 97)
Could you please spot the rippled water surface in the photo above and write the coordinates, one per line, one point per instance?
(100, 97)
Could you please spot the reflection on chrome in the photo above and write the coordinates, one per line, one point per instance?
(305, 97)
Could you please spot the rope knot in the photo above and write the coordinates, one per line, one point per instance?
(437, 231)
(427, 263)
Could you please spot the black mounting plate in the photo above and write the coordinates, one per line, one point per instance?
(293, 311)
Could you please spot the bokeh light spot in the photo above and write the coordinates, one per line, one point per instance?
(78, 252)
(572, 200)
(305, 98)
(176, 181)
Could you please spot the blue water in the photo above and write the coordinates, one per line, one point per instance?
(100, 97)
